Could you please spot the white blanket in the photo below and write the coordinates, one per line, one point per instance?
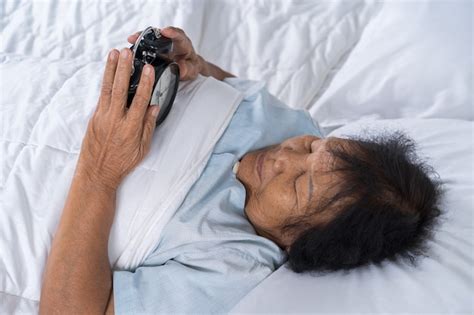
(38, 167)
(341, 60)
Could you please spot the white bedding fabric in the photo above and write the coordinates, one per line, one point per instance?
(413, 59)
(341, 60)
(39, 167)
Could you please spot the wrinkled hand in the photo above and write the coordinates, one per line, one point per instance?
(117, 138)
(183, 53)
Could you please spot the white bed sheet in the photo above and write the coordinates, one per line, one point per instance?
(299, 48)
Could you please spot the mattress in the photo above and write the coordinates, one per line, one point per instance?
(344, 61)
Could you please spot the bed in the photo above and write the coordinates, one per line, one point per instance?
(356, 66)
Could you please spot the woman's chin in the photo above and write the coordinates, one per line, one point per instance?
(245, 174)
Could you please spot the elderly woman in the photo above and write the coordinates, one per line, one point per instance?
(323, 203)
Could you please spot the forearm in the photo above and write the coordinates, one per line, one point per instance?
(209, 69)
(78, 278)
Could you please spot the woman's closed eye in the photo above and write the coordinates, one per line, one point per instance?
(296, 190)
(305, 184)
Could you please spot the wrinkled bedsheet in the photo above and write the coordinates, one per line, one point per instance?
(38, 176)
(312, 54)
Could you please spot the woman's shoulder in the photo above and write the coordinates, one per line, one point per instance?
(249, 88)
(262, 120)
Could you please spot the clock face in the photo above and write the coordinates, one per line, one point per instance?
(163, 92)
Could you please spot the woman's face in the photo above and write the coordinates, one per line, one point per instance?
(287, 180)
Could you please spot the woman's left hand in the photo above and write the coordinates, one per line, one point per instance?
(118, 139)
(189, 62)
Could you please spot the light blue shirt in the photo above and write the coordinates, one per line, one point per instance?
(209, 256)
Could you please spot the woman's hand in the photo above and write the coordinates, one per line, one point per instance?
(183, 53)
(118, 139)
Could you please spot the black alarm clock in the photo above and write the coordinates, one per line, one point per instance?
(154, 49)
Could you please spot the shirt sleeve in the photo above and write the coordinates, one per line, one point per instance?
(190, 283)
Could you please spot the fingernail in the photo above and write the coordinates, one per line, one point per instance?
(113, 55)
(147, 70)
(155, 110)
(124, 53)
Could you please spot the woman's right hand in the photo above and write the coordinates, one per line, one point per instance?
(190, 63)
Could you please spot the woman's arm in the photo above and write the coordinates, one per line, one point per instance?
(190, 63)
(78, 277)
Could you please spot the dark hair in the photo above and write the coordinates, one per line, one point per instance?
(389, 210)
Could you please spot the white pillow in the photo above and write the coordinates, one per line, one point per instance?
(441, 283)
(414, 59)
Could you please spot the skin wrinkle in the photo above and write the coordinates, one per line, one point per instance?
(310, 189)
(282, 195)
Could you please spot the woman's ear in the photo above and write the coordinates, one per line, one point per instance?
(287, 249)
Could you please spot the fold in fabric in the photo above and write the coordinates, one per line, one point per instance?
(180, 151)
(42, 170)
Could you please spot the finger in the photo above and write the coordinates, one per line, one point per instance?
(149, 126)
(121, 82)
(193, 67)
(183, 69)
(108, 80)
(133, 38)
(188, 69)
(182, 44)
(172, 31)
(142, 97)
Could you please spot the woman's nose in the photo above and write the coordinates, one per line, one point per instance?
(286, 159)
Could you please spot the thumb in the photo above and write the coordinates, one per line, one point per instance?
(183, 69)
(150, 124)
